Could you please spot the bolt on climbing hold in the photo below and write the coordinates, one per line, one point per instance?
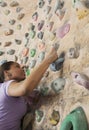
(8, 32)
(7, 44)
(19, 26)
(20, 16)
(59, 5)
(32, 52)
(50, 25)
(62, 31)
(58, 64)
(58, 84)
(32, 34)
(3, 61)
(6, 12)
(47, 10)
(55, 117)
(40, 35)
(35, 16)
(41, 56)
(11, 52)
(73, 53)
(80, 79)
(41, 3)
(3, 4)
(1, 53)
(39, 115)
(40, 25)
(32, 63)
(14, 3)
(12, 21)
(76, 120)
(18, 42)
(25, 51)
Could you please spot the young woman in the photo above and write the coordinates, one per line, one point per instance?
(14, 86)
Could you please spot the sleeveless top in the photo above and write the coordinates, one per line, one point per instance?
(12, 109)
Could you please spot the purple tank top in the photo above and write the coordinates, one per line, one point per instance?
(12, 109)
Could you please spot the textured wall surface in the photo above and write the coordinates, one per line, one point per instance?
(27, 31)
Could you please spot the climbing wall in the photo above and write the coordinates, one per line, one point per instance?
(28, 29)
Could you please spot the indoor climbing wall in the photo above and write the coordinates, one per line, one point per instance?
(28, 29)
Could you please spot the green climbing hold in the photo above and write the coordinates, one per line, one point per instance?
(27, 72)
(32, 34)
(32, 52)
(76, 120)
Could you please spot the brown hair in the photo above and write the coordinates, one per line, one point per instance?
(3, 67)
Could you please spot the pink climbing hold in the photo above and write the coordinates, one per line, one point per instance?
(80, 79)
(62, 31)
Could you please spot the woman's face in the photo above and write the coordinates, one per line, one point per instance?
(17, 72)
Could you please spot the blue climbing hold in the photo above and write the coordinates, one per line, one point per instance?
(58, 64)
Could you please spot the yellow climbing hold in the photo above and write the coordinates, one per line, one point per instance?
(81, 13)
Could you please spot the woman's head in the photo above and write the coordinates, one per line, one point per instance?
(11, 71)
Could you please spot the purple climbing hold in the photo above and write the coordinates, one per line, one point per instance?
(62, 31)
(80, 79)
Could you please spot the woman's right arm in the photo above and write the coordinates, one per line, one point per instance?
(23, 88)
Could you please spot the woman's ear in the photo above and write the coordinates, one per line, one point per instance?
(6, 73)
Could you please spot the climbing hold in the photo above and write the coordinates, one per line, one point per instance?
(50, 26)
(48, 17)
(80, 79)
(60, 13)
(27, 72)
(18, 9)
(40, 35)
(18, 42)
(86, 3)
(41, 56)
(19, 26)
(73, 53)
(47, 10)
(32, 34)
(55, 117)
(41, 3)
(20, 16)
(75, 120)
(12, 21)
(32, 63)
(62, 31)
(25, 51)
(39, 115)
(58, 64)
(25, 59)
(32, 52)
(14, 3)
(59, 5)
(3, 4)
(40, 25)
(1, 53)
(6, 12)
(58, 84)
(8, 32)
(31, 26)
(2, 62)
(51, 36)
(11, 51)
(7, 44)
(35, 16)
(41, 46)
(81, 13)
(49, 1)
